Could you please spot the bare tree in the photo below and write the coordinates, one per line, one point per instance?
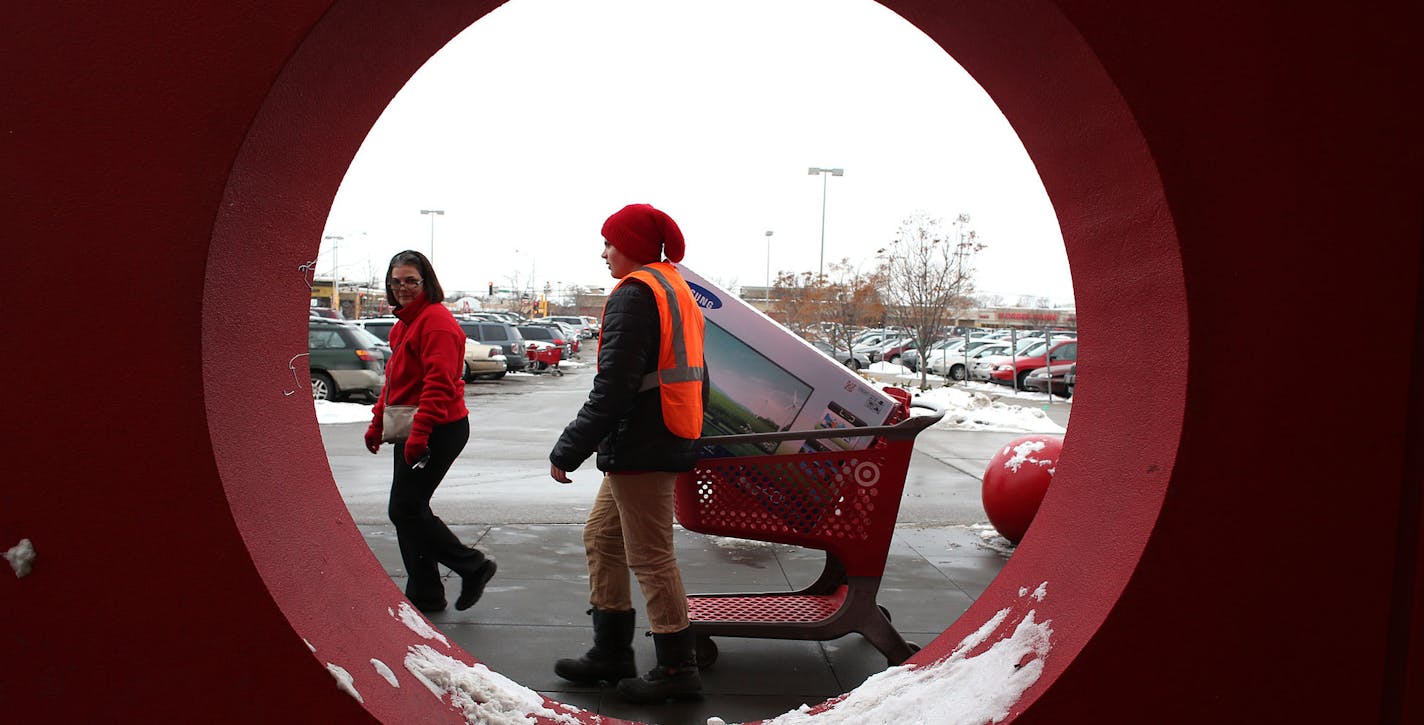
(928, 277)
(799, 298)
(852, 301)
(829, 307)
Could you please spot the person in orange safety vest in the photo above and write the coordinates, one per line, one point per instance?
(643, 418)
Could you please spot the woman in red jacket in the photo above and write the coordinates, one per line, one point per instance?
(424, 370)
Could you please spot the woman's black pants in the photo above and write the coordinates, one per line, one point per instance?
(424, 539)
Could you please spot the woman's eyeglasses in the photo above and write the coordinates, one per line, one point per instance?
(407, 283)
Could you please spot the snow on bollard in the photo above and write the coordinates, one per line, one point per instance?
(21, 557)
(1016, 480)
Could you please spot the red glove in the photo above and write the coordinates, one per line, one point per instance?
(415, 447)
(373, 438)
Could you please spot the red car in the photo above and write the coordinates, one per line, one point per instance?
(1013, 372)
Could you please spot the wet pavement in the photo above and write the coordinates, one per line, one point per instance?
(498, 496)
(533, 613)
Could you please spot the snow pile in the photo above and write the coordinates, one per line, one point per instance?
(329, 412)
(571, 364)
(961, 689)
(481, 695)
(21, 557)
(990, 539)
(416, 623)
(889, 368)
(970, 410)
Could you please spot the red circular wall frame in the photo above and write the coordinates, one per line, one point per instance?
(189, 537)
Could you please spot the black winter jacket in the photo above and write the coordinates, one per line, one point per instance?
(626, 426)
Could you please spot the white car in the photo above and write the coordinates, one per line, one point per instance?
(954, 363)
(578, 326)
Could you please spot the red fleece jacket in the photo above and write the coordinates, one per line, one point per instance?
(427, 355)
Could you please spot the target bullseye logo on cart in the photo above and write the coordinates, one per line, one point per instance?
(866, 473)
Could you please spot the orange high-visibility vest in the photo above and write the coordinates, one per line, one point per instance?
(680, 365)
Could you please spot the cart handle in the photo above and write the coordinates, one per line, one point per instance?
(904, 430)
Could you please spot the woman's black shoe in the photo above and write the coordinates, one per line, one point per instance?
(473, 586)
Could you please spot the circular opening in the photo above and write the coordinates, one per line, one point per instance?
(265, 196)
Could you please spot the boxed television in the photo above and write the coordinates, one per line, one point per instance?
(765, 378)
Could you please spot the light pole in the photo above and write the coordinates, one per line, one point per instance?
(335, 280)
(433, 213)
(825, 176)
(767, 294)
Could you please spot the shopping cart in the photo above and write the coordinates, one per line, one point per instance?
(842, 502)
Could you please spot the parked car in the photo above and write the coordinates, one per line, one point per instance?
(1050, 379)
(912, 358)
(949, 360)
(854, 361)
(572, 336)
(502, 334)
(594, 325)
(579, 325)
(893, 350)
(344, 361)
(378, 326)
(957, 366)
(550, 334)
(1070, 379)
(484, 361)
(1013, 372)
(983, 369)
(326, 313)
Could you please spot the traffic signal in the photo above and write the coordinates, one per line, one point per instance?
(491, 289)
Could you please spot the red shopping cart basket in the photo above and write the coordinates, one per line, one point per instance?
(841, 502)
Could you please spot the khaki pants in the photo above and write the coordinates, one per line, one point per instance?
(630, 527)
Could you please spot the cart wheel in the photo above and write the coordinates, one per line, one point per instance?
(884, 611)
(706, 651)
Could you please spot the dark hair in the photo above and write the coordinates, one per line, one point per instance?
(433, 291)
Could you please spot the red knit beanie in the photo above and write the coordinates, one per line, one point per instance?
(644, 234)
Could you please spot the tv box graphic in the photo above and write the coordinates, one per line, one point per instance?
(764, 378)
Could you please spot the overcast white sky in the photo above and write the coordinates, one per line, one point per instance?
(540, 120)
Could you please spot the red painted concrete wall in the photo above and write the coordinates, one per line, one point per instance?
(1227, 540)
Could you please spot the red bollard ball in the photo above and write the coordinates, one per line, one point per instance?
(1016, 480)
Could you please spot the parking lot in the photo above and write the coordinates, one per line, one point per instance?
(503, 474)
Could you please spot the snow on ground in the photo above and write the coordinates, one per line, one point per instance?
(966, 409)
(480, 694)
(961, 689)
(990, 539)
(328, 412)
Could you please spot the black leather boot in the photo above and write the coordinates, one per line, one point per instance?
(676, 675)
(611, 657)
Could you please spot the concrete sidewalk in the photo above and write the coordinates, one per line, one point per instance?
(533, 612)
